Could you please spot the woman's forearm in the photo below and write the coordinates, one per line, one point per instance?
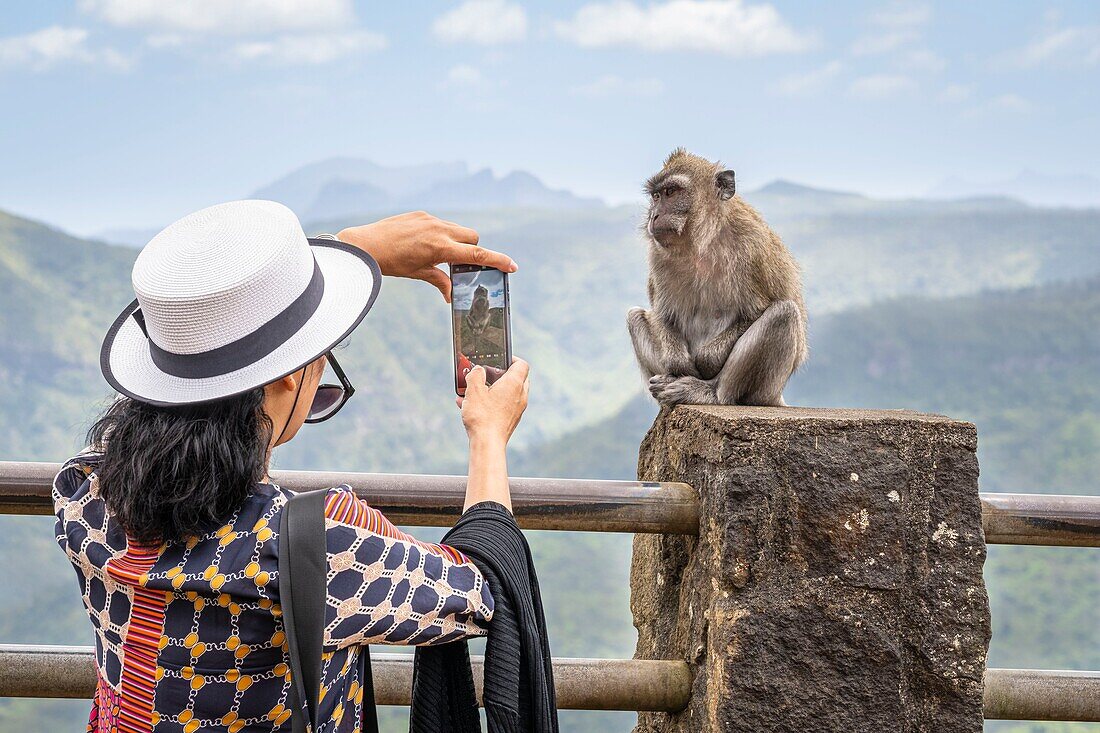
(488, 477)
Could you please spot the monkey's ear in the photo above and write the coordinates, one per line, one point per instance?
(726, 186)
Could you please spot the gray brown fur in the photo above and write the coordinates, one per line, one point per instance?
(727, 322)
(477, 319)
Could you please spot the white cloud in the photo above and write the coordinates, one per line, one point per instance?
(881, 86)
(224, 17)
(1072, 46)
(902, 15)
(482, 22)
(892, 27)
(731, 27)
(1011, 102)
(311, 49)
(49, 47)
(165, 40)
(922, 59)
(610, 85)
(273, 31)
(812, 82)
(955, 93)
(467, 76)
(999, 106)
(871, 45)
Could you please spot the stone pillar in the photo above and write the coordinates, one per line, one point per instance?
(836, 583)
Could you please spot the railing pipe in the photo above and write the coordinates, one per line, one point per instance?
(1034, 694)
(580, 684)
(428, 500)
(1041, 519)
(593, 506)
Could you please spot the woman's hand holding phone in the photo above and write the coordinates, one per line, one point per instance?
(490, 415)
(413, 244)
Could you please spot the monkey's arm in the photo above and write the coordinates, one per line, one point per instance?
(660, 349)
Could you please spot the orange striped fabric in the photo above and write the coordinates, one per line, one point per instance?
(105, 709)
(342, 505)
(141, 645)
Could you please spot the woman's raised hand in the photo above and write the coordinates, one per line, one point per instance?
(412, 245)
(491, 413)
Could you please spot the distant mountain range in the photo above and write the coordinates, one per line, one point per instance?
(1038, 189)
(342, 187)
(351, 188)
(781, 187)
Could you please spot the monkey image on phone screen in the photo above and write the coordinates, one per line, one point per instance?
(479, 318)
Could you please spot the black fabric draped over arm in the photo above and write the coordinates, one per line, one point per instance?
(519, 682)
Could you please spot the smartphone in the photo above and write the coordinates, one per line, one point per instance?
(480, 322)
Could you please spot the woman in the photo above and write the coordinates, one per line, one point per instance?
(169, 516)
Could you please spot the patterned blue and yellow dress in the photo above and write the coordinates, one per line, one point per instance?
(188, 636)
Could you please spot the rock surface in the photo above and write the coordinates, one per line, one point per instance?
(836, 584)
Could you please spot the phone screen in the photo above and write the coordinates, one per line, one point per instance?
(480, 322)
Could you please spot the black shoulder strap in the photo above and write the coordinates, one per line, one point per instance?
(303, 570)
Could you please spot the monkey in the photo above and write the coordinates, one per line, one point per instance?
(477, 319)
(727, 321)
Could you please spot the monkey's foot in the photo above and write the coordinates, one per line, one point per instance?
(670, 390)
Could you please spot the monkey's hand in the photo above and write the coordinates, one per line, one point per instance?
(672, 390)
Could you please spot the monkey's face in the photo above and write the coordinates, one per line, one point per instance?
(671, 198)
(688, 193)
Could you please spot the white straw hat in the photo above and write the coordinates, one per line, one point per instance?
(231, 298)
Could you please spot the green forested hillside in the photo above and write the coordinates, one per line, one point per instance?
(59, 295)
(56, 292)
(1022, 364)
(581, 270)
(855, 250)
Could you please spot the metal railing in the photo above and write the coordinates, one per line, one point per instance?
(1042, 694)
(593, 506)
(580, 684)
(436, 501)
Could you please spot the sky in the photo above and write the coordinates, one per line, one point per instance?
(462, 294)
(130, 113)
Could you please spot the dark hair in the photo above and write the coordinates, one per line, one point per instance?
(169, 473)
